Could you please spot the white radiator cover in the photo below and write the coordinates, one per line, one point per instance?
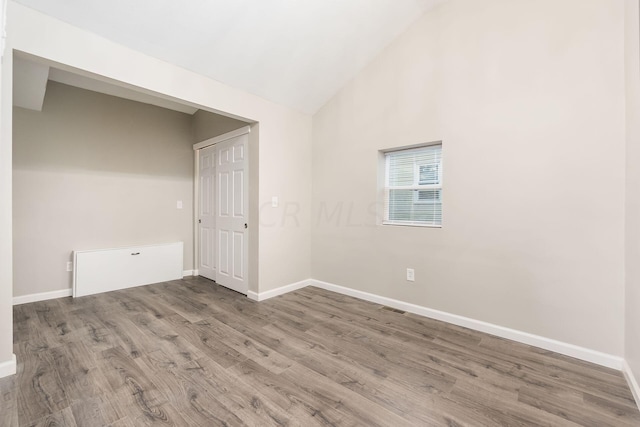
(105, 270)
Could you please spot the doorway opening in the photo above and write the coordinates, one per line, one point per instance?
(222, 188)
(109, 184)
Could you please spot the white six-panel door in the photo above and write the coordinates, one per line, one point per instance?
(228, 196)
(207, 213)
(231, 218)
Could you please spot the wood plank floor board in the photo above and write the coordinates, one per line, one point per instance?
(568, 409)
(391, 393)
(136, 302)
(360, 410)
(357, 349)
(395, 366)
(33, 333)
(339, 329)
(253, 407)
(138, 395)
(287, 394)
(327, 350)
(493, 373)
(419, 407)
(127, 335)
(551, 362)
(94, 332)
(165, 415)
(79, 376)
(190, 352)
(187, 310)
(166, 338)
(455, 366)
(122, 422)
(384, 322)
(525, 366)
(594, 385)
(302, 349)
(51, 315)
(95, 411)
(40, 391)
(196, 403)
(452, 334)
(386, 393)
(614, 408)
(23, 319)
(417, 327)
(206, 342)
(63, 418)
(328, 308)
(544, 367)
(249, 348)
(463, 404)
(9, 402)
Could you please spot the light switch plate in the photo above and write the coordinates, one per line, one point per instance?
(179, 204)
(274, 201)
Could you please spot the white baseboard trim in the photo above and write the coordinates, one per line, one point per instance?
(277, 291)
(9, 367)
(633, 384)
(567, 349)
(23, 299)
(186, 273)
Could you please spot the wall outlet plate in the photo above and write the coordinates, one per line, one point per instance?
(411, 275)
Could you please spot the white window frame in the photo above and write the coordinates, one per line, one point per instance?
(416, 186)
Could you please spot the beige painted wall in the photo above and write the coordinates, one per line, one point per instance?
(6, 251)
(528, 98)
(632, 295)
(95, 171)
(207, 125)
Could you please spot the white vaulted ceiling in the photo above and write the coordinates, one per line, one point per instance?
(294, 52)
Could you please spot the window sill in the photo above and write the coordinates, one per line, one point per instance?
(412, 225)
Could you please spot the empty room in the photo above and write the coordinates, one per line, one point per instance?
(297, 213)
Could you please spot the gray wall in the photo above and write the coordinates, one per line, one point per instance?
(207, 125)
(528, 98)
(95, 171)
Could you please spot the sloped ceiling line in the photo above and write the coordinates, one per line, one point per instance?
(295, 53)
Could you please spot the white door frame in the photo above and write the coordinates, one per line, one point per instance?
(196, 194)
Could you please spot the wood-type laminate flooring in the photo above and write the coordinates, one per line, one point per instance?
(191, 353)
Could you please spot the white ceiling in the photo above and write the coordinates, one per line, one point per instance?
(298, 53)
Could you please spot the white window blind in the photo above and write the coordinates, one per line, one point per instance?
(413, 186)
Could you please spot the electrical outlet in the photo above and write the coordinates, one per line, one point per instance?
(69, 266)
(411, 275)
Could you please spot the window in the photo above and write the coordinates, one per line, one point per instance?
(413, 186)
